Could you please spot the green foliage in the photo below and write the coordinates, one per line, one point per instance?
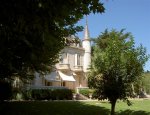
(74, 91)
(48, 94)
(32, 32)
(142, 84)
(146, 82)
(116, 64)
(86, 91)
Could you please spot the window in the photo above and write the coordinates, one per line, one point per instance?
(60, 58)
(63, 58)
(78, 59)
(63, 83)
(48, 83)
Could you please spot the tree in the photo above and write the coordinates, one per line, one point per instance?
(32, 32)
(116, 64)
(144, 83)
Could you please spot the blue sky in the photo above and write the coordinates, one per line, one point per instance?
(132, 15)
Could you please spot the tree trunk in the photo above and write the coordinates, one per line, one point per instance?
(133, 91)
(113, 103)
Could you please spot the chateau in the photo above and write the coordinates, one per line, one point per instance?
(71, 70)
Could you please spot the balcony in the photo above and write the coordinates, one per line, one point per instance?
(64, 66)
(78, 68)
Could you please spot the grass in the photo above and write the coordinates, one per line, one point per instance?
(139, 107)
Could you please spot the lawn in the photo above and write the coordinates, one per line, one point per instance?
(139, 107)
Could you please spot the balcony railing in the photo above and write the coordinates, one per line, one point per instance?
(64, 66)
(78, 68)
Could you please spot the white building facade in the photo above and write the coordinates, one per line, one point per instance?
(71, 70)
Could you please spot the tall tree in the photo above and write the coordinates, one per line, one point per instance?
(116, 64)
(32, 32)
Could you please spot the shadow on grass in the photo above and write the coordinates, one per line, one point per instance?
(131, 112)
(60, 108)
(52, 108)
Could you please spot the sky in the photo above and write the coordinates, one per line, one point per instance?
(131, 15)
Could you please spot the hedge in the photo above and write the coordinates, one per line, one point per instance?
(86, 91)
(47, 94)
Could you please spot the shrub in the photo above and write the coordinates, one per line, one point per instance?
(48, 94)
(74, 91)
(17, 93)
(27, 94)
(86, 91)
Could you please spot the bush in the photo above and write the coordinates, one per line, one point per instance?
(86, 91)
(48, 94)
(27, 94)
(96, 95)
(5, 90)
(16, 93)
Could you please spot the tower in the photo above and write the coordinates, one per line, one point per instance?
(87, 46)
